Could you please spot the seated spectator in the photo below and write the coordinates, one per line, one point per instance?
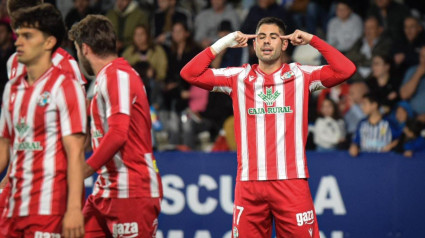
(355, 114)
(208, 21)
(400, 115)
(406, 50)
(413, 87)
(329, 128)
(80, 10)
(372, 43)
(318, 13)
(391, 14)
(125, 16)
(383, 84)
(345, 28)
(167, 14)
(229, 57)
(144, 49)
(338, 94)
(411, 141)
(374, 133)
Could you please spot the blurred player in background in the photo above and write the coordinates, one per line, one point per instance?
(43, 121)
(270, 102)
(128, 191)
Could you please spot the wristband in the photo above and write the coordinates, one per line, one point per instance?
(225, 42)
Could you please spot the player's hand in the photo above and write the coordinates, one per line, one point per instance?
(73, 224)
(87, 170)
(242, 39)
(298, 38)
(354, 150)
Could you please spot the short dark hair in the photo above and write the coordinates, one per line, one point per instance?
(44, 17)
(97, 32)
(272, 20)
(14, 5)
(372, 98)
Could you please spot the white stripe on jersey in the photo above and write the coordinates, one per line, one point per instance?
(280, 130)
(122, 177)
(49, 162)
(9, 65)
(152, 174)
(106, 187)
(29, 158)
(307, 68)
(76, 70)
(57, 58)
(5, 120)
(124, 91)
(103, 92)
(222, 89)
(299, 109)
(260, 122)
(243, 124)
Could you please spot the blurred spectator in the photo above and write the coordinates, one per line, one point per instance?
(406, 50)
(338, 94)
(176, 90)
(383, 84)
(103, 6)
(318, 14)
(125, 16)
(208, 21)
(374, 133)
(229, 57)
(355, 114)
(144, 49)
(329, 128)
(413, 86)
(166, 15)
(80, 10)
(345, 28)
(399, 116)
(411, 141)
(372, 43)
(265, 8)
(194, 6)
(7, 48)
(392, 15)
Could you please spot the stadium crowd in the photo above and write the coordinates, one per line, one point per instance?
(380, 109)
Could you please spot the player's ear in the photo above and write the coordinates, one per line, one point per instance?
(284, 44)
(50, 42)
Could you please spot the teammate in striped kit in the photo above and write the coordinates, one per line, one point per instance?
(43, 121)
(127, 194)
(60, 58)
(270, 102)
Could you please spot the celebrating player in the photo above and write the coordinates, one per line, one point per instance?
(270, 102)
(43, 120)
(128, 191)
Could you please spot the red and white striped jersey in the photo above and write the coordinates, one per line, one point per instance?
(132, 172)
(35, 118)
(271, 110)
(60, 59)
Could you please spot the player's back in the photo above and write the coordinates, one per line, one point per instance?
(132, 171)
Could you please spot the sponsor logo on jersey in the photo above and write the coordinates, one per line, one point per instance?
(287, 75)
(250, 78)
(97, 134)
(235, 232)
(21, 127)
(28, 146)
(269, 98)
(40, 234)
(43, 99)
(125, 230)
(305, 218)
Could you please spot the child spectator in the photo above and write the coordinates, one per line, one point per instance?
(374, 133)
(411, 141)
(329, 129)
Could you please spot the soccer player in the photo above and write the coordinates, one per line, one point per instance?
(43, 121)
(60, 58)
(270, 102)
(127, 194)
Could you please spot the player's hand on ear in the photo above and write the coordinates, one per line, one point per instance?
(298, 37)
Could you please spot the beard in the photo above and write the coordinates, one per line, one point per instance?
(269, 59)
(85, 66)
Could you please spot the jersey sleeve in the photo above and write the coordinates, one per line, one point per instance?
(5, 118)
(115, 89)
(340, 68)
(196, 72)
(71, 107)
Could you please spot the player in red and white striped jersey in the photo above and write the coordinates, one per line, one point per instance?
(128, 184)
(270, 102)
(43, 120)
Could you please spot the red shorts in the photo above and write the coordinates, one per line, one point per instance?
(34, 226)
(287, 202)
(121, 217)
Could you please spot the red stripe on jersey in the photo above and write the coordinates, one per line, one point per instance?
(270, 135)
(291, 168)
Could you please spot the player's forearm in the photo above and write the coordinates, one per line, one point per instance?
(4, 153)
(408, 89)
(112, 142)
(342, 68)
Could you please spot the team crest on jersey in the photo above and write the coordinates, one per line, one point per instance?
(43, 99)
(287, 75)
